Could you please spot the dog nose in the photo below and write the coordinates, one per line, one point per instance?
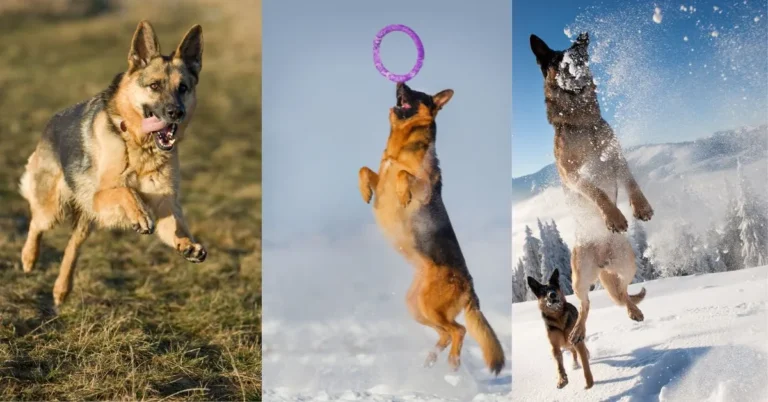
(174, 112)
(552, 295)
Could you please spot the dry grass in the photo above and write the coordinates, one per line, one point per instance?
(141, 322)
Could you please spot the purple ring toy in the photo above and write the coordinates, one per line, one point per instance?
(377, 58)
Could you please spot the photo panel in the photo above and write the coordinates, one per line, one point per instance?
(369, 242)
(640, 228)
(130, 185)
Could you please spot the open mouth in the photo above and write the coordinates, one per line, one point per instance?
(163, 133)
(166, 137)
(554, 304)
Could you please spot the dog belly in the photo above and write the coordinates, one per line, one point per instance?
(590, 224)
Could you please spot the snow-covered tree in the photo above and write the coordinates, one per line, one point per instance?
(519, 283)
(753, 225)
(730, 245)
(531, 258)
(639, 241)
(556, 255)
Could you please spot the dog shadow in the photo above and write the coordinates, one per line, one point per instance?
(683, 371)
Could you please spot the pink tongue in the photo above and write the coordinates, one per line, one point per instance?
(406, 106)
(152, 124)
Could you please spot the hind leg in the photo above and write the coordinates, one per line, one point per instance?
(412, 301)
(585, 270)
(40, 189)
(617, 277)
(67, 270)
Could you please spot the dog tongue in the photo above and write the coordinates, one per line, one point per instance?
(152, 124)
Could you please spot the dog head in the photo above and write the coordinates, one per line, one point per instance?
(568, 69)
(410, 103)
(159, 91)
(550, 296)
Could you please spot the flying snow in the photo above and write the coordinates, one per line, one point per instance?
(685, 38)
(657, 15)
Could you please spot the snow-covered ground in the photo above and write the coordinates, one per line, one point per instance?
(337, 328)
(704, 338)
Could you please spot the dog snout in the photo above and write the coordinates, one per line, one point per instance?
(175, 112)
(552, 295)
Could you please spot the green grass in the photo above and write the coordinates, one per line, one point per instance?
(141, 322)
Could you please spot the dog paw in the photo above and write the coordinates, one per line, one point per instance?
(562, 382)
(193, 252)
(590, 382)
(431, 360)
(577, 335)
(454, 362)
(635, 314)
(142, 223)
(641, 209)
(616, 222)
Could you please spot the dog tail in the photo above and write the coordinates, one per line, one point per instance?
(482, 332)
(637, 298)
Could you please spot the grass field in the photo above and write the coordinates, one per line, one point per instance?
(141, 322)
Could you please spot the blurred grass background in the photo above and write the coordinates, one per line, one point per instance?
(141, 323)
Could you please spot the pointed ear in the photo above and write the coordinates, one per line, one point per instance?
(542, 52)
(554, 279)
(144, 46)
(442, 97)
(535, 286)
(582, 40)
(190, 49)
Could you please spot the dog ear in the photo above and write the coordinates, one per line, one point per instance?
(554, 279)
(190, 49)
(535, 286)
(542, 52)
(442, 97)
(144, 46)
(582, 40)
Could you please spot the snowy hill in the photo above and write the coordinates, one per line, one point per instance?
(703, 339)
(668, 161)
(685, 183)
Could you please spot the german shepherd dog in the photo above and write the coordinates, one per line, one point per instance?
(112, 161)
(560, 317)
(409, 209)
(591, 166)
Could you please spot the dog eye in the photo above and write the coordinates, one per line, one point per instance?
(154, 86)
(182, 88)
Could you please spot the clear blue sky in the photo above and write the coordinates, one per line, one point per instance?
(658, 87)
(325, 107)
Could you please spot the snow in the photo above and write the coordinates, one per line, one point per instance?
(573, 73)
(685, 38)
(657, 15)
(715, 34)
(342, 330)
(703, 339)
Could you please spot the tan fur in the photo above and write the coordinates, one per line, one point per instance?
(130, 182)
(592, 167)
(406, 181)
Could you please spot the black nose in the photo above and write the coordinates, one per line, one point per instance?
(552, 295)
(175, 112)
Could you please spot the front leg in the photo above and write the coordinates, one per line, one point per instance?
(614, 219)
(122, 207)
(172, 229)
(641, 208)
(409, 187)
(367, 182)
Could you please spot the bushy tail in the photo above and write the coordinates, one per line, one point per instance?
(612, 284)
(481, 331)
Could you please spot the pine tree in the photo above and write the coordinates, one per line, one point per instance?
(730, 245)
(753, 228)
(562, 259)
(531, 258)
(638, 239)
(519, 283)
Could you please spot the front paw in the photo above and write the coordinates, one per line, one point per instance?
(142, 223)
(562, 382)
(577, 335)
(641, 209)
(615, 221)
(192, 252)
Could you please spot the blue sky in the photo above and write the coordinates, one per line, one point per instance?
(325, 110)
(658, 87)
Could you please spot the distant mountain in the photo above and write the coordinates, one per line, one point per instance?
(661, 162)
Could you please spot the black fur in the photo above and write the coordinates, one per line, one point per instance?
(64, 134)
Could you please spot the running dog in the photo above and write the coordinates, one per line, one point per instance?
(591, 166)
(112, 161)
(559, 318)
(409, 209)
